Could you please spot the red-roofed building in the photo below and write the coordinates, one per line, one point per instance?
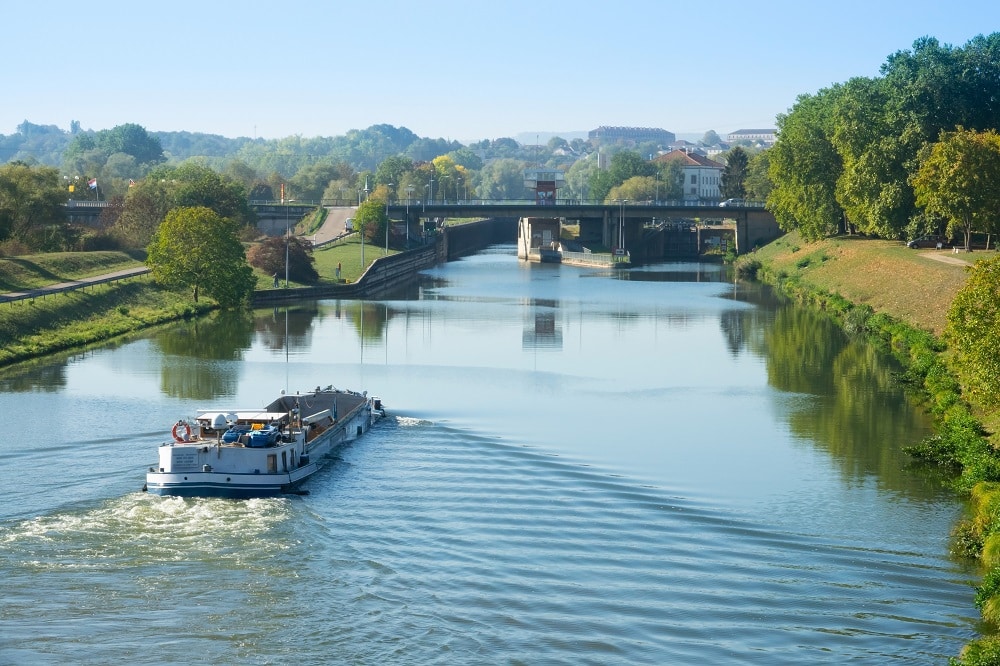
(701, 176)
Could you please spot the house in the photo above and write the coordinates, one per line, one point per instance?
(701, 176)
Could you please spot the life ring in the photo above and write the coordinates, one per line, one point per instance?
(181, 425)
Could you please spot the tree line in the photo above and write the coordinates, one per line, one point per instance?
(903, 154)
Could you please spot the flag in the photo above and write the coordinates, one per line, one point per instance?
(93, 183)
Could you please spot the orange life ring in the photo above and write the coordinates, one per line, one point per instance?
(187, 431)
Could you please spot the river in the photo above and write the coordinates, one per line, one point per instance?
(579, 466)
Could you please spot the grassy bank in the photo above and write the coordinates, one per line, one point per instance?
(41, 326)
(914, 286)
(40, 270)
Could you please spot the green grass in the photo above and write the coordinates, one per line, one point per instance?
(40, 326)
(346, 252)
(38, 270)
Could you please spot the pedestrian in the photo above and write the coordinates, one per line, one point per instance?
(338, 270)
(275, 280)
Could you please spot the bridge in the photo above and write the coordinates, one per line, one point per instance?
(608, 222)
(629, 224)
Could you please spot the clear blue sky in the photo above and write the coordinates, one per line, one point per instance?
(463, 70)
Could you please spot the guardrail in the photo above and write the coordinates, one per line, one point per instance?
(63, 287)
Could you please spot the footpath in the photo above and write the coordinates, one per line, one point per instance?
(73, 285)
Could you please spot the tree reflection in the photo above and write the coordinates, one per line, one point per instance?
(852, 406)
(38, 375)
(287, 328)
(222, 336)
(370, 318)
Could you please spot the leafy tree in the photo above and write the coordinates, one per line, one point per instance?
(973, 330)
(502, 179)
(392, 168)
(804, 167)
(637, 188)
(557, 142)
(876, 150)
(577, 183)
(133, 140)
(192, 184)
(671, 177)
(959, 180)
(240, 172)
(262, 192)
(371, 220)
(734, 175)
(31, 198)
(311, 181)
(758, 183)
(711, 138)
(624, 164)
(465, 158)
(270, 256)
(144, 208)
(196, 248)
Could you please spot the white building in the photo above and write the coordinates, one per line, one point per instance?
(702, 176)
(762, 137)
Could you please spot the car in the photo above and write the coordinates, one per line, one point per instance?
(729, 203)
(929, 240)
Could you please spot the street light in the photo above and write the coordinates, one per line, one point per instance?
(389, 187)
(409, 194)
(621, 226)
(287, 238)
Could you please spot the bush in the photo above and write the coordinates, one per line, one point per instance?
(269, 257)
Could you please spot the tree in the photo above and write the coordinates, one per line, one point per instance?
(959, 179)
(671, 180)
(195, 248)
(734, 175)
(624, 164)
(711, 138)
(758, 183)
(637, 188)
(804, 168)
(391, 169)
(973, 330)
(371, 220)
(31, 198)
(310, 182)
(133, 140)
(502, 179)
(270, 256)
(192, 184)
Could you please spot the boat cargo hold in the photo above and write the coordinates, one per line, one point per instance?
(262, 452)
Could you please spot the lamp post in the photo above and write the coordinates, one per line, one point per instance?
(621, 225)
(287, 236)
(409, 194)
(389, 187)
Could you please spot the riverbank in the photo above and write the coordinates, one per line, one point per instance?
(901, 297)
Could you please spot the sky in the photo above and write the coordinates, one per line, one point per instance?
(459, 70)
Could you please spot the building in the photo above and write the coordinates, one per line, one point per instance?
(631, 135)
(701, 176)
(761, 137)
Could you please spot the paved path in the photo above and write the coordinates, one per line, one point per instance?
(334, 225)
(73, 284)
